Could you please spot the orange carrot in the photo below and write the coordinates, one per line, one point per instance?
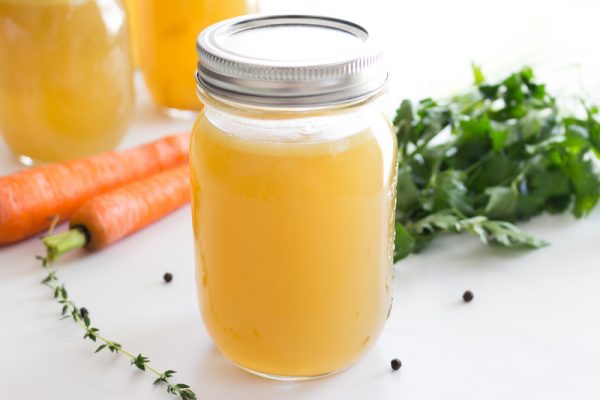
(109, 217)
(31, 198)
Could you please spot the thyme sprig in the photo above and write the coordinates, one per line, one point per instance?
(82, 318)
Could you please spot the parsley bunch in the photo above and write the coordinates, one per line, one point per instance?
(499, 153)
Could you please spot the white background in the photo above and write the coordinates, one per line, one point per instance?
(532, 331)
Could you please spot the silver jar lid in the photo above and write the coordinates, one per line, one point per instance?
(289, 61)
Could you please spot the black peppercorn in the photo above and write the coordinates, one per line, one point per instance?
(396, 364)
(467, 296)
(83, 312)
(168, 277)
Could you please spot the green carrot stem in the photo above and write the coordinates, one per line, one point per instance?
(61, 243)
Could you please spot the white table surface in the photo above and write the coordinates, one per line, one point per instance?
(532, 331)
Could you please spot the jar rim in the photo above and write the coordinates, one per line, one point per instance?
(346, 67)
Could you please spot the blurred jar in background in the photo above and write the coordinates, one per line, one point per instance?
(65, 77)
(168, 32)
(133, 19)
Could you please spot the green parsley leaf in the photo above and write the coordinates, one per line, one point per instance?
(498, 153)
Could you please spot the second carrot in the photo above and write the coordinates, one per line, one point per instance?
(109, 217)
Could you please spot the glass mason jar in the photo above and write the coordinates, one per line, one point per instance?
(65, 77)
(293, 187)
(168, 30)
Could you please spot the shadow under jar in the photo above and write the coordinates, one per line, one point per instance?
(293, 174)
(65, 77)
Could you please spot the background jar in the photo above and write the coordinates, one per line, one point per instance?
(293, 174)
(167, 33)
(65, 77)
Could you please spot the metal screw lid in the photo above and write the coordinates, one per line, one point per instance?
(289, 61)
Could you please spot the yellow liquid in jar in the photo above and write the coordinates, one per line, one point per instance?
(168, 33)
(294, 247)
(65, 77)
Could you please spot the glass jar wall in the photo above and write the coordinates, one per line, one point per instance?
(65, 77)
(132, 8)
